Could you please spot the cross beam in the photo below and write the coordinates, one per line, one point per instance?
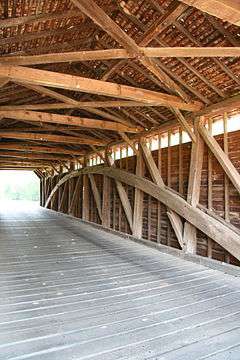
(81, 84)
(116, 54)
(67, 120)
(52, 138)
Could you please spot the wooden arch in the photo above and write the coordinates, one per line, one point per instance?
(222, 233)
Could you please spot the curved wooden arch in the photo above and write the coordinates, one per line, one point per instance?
(213, 228)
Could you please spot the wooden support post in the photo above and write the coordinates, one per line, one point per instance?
(41, 191)
(106, 201)
(138, 199)
(180, 163)
(85, 203)
(70, 190)
(47, 188)
(194, 183)
(60, 190)
(53, 200)
(226, 180)
(158, 203)
(210, 183)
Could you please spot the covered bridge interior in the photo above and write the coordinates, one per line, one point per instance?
(128, 111)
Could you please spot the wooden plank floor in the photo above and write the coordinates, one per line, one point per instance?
(70, 291)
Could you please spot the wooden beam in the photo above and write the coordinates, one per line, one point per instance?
(129, 142)
(25, 163)
(75, 56)
(216, 230)
(67, 100)
(221, 106)
(77, 83)
(177, 226)
(106, 202)
(226, 180)
(220, 155)
(115, 54)
(43, 117)
(194, 186)
(138, 199)
(96, 195)
(227, 10)
(92, 10)
(191, 52)
(51, 138)
(24, 155)
(21, 167)
(184, 123)
(79, 105)
(85, 196)
(39, 149)
(152, 167)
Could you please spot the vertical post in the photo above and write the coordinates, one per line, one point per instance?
(60, 190)
(210, 242)
(106, 201)
(120, 204)
(226, 179)
(70, 189)
(159, 204)
(46, 188)
(169, 160)
(138, 199)
(42, 184)
(194, 184)
(180, 163)
(85, 209)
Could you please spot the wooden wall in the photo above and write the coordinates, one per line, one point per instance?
(217, 193)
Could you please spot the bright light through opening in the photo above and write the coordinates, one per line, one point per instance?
(19, 185)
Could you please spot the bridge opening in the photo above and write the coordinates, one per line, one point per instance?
(19, 185)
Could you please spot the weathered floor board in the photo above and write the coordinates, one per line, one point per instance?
(70, 291)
